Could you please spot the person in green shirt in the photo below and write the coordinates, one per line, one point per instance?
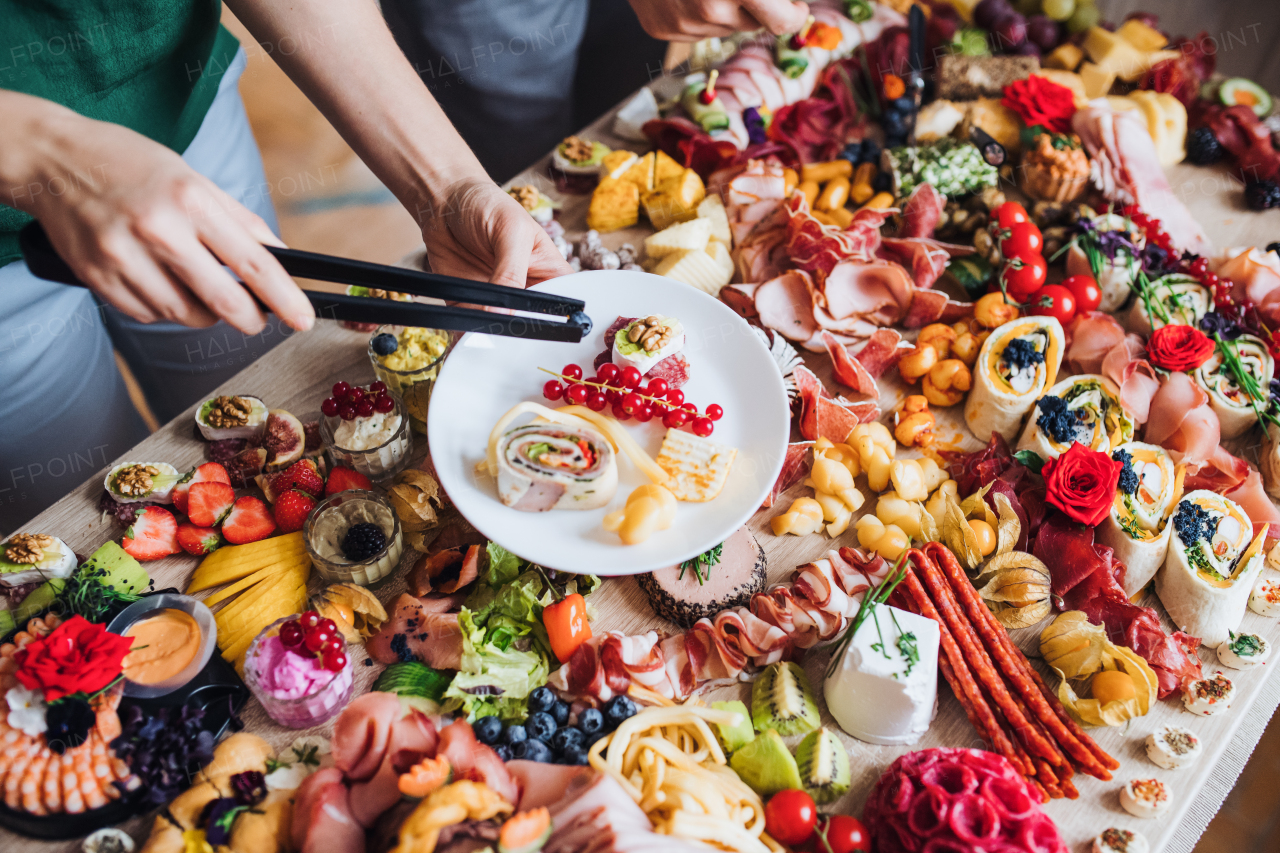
(124, 135)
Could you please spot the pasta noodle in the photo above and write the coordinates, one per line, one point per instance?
(670, 762)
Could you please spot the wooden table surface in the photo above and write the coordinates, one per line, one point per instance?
(298, 373)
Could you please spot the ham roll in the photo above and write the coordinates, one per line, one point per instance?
(1016, 363)
(1084, 409)
(1233, 405)
(1137, 527)
(1180, 298)
(1212, 564)
(548, 466)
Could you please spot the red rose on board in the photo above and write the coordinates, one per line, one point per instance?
(1038, 100)
(78, 655)
(1082, 483)
(1179, 348)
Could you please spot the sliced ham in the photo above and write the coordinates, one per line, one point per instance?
(326, 824)
(762, 255)
(1181, 421)
(784, 305)
(793, 471)
(741, 298)
(921, 212)
(414, 633)
(876, 291)
(413, 738)
(361, 734)
(848, 370)
(473, 760)
(1092, 336)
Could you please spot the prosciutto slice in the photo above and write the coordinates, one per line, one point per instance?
(879, 292)
(849, 371)
(793, 471)
(1100, 345)
(881, 352)
(921, 212)
(1181, 421)
(1252, 497)
(926, 257)
(1256, 274)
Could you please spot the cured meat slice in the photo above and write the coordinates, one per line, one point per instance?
(848, 370)
(414, 632)
(926, 257)
(741, 298)
(674, 368)
(835, 419)
(413, 738)
(1182, 422)
(921, 212)
(473, 760)
(793, 471)
(881, 352)
(361, 734)
(877, 291)
(933, 306)
(784, 305)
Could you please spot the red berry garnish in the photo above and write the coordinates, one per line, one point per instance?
(340, 389)
(378, 387)
(383, 403)
(675, 418)
(613, 395)
(334, 645)
(573, 371)
(334, 661)
(291, 634)
(675, 397)
(607, 371)
(328, 625)
(347, 411)
(644, 414)
(630, 377)
(553, 390)
(659, 407)
(308, 620)
(329, 407)
(690, 408)
(656, 388)
(597, 401)
(632, 402)
(703, 427)
(715, 412)
(577, 394)
(621, 413)
(355, 394)
(365, 407)
(316, 639)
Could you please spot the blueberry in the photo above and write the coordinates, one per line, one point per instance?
(852, 152)
(574, 756)
(488, 730)
(592, 738)
(895, 124)
(532, 750)
(541, 726)
(384, 344)
(903, 105)
(568, 738)
(560, 712)
(541, 699)
(882, 182)
(870, 152)
(503, 751)
(514, 734)
(590, 721)
(617, 710)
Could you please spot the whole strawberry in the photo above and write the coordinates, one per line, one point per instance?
(341, 479)
(302, 476)
(291, 510)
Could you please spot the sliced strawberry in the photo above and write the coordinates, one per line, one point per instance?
(301, 475)
(152, 536)
(209, 472)
(208, 503)
(342, 479)
(198, 540)
(249, 520)
(292, 509)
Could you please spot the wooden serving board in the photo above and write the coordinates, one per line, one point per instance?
(297, 375)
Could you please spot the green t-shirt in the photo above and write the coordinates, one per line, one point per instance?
(150, 65)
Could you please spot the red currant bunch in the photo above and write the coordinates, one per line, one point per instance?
(311, 634)
(626, 395)
(352, 401)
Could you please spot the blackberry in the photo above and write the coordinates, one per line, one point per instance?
(363, 541)
(384, 344)
(1203, 148)
(1262, 195)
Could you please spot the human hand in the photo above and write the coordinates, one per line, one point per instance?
(479, 232)
(150, 234)
(691, 20)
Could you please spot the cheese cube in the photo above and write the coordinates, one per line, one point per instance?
(616, 163)
(614, 205)
(711, 209)
(675, 201)
(640, 173)
(697, 466)
(1097, 80)
(719, 253)
(684, 236)
(1065, 56)
(698, 268)
(1141, 36)
(1004, 125)
(1114, 54)
(664, 169)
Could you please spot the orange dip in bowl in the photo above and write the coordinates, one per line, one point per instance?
(164, 645)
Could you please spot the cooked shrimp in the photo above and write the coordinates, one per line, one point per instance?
(108, 719)
(13, 779)
(51, 784)
(72, 799)
(89, 785)
(29, 786)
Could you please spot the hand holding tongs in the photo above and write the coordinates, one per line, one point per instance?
(43, 261)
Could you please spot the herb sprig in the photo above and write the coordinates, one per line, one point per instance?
(702, 564)
(877, 595)
(1245, 380)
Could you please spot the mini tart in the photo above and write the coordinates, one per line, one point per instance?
(1265, 597)
(162, 483)
(253, 428)
(1114, 840)
(590, 166)
(1145, 798)
(627, 353)
(1244, 651)
(55, 560)
(1172, 747)
(1209, 696)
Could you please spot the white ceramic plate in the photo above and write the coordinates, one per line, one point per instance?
(486, 375)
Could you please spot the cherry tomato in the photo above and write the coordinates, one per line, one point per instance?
(1010, 214)
(1024, 239)
(1023, 276)
(789, 817)
(839, 833)
(1086, 291)
(1053, 300)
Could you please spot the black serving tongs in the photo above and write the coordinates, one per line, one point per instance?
(43, 261)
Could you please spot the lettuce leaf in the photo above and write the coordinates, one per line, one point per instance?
(503, 565)
(493, 678)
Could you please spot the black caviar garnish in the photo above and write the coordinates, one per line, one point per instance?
(400, 645)
(1194, 523)
(1021, 353)
(1128, 477)
(1057, 420)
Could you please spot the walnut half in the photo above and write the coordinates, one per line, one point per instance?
(27, 548)
(135, 481)
(229, 412)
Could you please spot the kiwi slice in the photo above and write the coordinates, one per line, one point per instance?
(782, 700)
(766, 765)
(733, 738)
(824, 765)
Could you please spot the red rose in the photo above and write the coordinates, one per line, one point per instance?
(1179, 348)
(1082, 483)
(1039, 100)
(78, 655)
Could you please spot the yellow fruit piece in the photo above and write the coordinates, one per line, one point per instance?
(287, 600)
(674, 201)
(240, 612)
(260, 575)
(614, 205)
(233, 562)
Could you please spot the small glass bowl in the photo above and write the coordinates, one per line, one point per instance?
(327, 525)
(151, 606)
(376, 463)
(317, 707)
(414, 386)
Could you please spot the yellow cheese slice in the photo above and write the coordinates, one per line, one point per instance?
(698, 468)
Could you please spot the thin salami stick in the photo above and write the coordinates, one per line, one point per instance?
(1048, 781)
(1069, 789)
(1063, 764)
(1017, 669)
(956, 672)
(1081, 735)
(983, 669)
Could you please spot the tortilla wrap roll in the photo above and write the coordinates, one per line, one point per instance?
(548, 466)
(1231, 403)
(1269, 461)
(1180, 298)
(1009, 377)
(1213, 560)
(1109, 260)
(1085, 409)
(1137, 528)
